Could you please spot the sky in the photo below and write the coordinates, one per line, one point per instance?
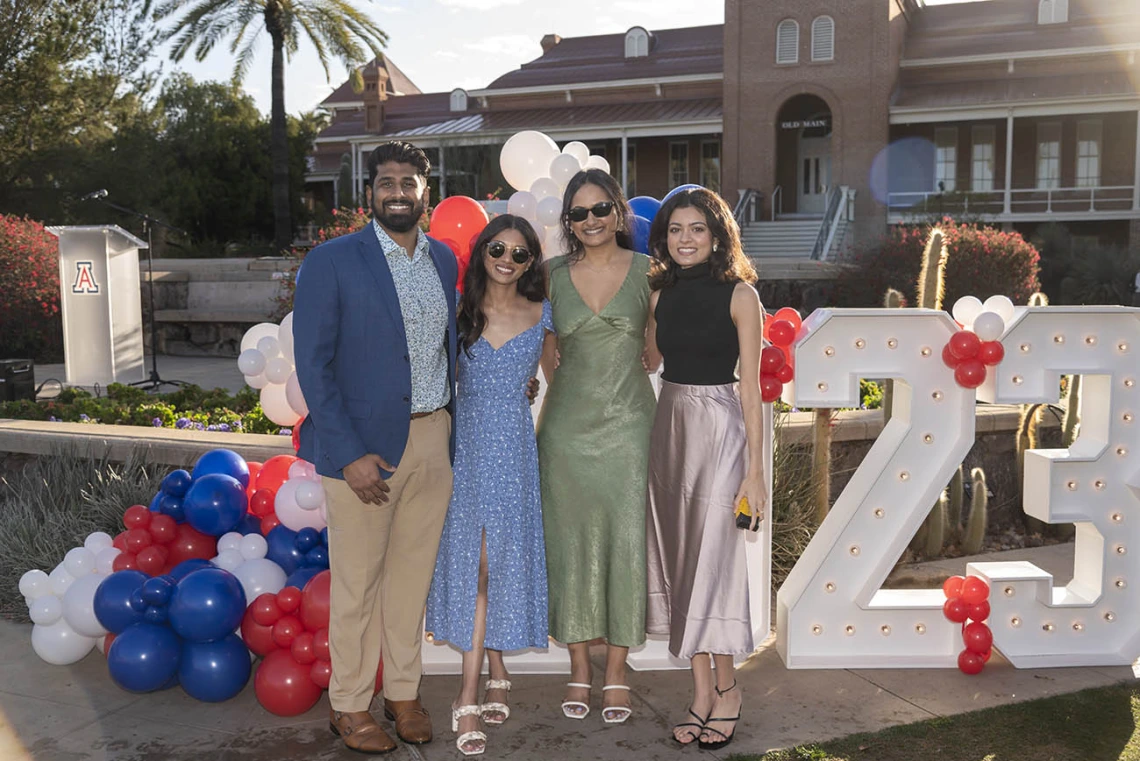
(444, 44)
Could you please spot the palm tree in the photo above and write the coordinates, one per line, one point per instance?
(334, 27)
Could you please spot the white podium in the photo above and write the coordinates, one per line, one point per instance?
(101, 303)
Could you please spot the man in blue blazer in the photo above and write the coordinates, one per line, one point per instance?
(375, 345)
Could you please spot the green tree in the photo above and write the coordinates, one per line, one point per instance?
(334, 27)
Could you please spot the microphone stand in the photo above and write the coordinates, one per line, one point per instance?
(155, 381)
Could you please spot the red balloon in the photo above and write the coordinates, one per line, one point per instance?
(980, 612)
(268, 523)
(289, 599)
(302, 649)
(264, 609)
(457, 217)
(315, 602)
(261, 504)
(286, 630)
(770, 388)
(986, 655)
(151, 560)
(321, 645)
(948, 357)
(955, 610)
(283, 686)
(258, 638)
(978, 637)
(970, 374)
(191, 543)
(120, 541)
(136, 516)
(163, 529)
(297, 435)
(125, 561)
(782, 333)
(991, 353)
(791, 316)
(767, 324)
(786, 374)
(107, 640)
(952, 587)
(970, 663)
(274, 472)
(965, 344)
(254, 468)
(974, 590)
(321, 673)
(772, 359)
(138, 539)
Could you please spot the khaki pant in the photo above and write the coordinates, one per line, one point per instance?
(382, 559)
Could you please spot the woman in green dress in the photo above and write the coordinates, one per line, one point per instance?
(593, 442)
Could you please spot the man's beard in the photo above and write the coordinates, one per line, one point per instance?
(398, 223)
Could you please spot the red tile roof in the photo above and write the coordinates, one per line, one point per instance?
(398, 83)
(1013, 90)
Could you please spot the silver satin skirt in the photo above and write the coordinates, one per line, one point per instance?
(698, 578)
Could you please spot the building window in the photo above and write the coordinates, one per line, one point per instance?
(636, 43)
(631, 170)
(982, 158)
(1048, 155)
(1052, 11)
(459, 99)
(678, 164)
(823, 39)
(710, 165)
(788, 42)
(945, 158)
(1088, 153)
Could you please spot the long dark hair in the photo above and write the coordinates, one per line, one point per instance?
(471, 318)
(574, 248)
(728, 262)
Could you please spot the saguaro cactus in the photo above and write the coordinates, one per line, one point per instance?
(892, 299)
(932, 278)
(979, 514)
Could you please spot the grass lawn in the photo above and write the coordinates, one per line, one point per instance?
(1092, 725)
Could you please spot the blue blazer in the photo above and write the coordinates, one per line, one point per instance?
(351, 352)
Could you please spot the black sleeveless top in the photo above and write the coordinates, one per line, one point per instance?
(695, 331)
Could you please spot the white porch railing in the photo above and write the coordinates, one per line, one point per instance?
(1096, 199)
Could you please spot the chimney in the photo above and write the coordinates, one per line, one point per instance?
(375, 93)
(548, 42)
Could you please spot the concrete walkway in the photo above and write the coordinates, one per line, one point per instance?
(76, 713)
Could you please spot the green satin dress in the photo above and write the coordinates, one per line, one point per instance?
(593, 452)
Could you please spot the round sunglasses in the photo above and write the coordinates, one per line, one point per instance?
(599, 210)
(497, 248)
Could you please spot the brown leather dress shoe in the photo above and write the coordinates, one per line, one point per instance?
(360, 732)
(413, 725)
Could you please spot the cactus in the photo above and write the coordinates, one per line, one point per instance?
(936, 529)
(821, 463)
(1039, 299)
(892, 299)
(932, 278)
(1071, 426)
(979, 509)
(957, 499)
(1027, 439)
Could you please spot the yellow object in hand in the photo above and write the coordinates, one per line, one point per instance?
(743, 514)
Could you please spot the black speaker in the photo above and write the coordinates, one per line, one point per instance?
(17, 380)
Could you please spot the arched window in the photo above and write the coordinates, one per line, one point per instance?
(788, 42)
(1052, 11)
(636, 42)
(459, 99)
(823, 39)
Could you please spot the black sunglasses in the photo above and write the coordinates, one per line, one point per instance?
(497, 248)
(599, 210)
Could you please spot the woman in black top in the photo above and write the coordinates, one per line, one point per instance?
(705, 452)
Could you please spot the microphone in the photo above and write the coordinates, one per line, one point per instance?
(102, 193)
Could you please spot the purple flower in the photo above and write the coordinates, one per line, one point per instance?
(795, 409)
(285, 432)
(211, 428)
(236, 425)
(83, 416)
(53, 419)
(223, 427)
(182, 422)
(199, 427)
(156, 422)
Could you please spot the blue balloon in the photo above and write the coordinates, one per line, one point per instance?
(155, 502)
(215, 504)
(644, 206)
(679, 189)
(187, 567)
(283, 550)
(214, 671)
(137, 602)
(172, 506)
(207, 605)
(250, 524)
(176, 483)
(318, 557)
(307, 539)
(156, 615)
(112, 602)
(639, 231)
(222, 461)
(157, 591)
(144, 657)
(301, 576)
(325, 536)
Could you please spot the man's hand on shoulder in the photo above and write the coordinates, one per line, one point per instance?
(363, 477)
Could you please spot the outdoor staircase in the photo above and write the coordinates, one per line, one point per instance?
(781, 238)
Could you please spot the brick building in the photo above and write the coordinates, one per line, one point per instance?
(822, 120)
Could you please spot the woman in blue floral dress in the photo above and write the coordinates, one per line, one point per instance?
(489, 588)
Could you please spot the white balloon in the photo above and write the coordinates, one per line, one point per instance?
(251, 362)
(291, 515)
(79, 606)
(60, 580)
(105, 561)
(277, 370)
(1001, 306)
(563, 168)
(989, 326)
(79, 562)
(270, 347)
(598, 162)
(229, 541)
(97, 541)
(303, 469)
(544, 187)
(34, 584)
(285, 337)
(45, 610)
(253, 546)
(257, 381)
(276, 406)
(525, 157)
(966, 309)
(260, 576)
(310, 495)
(522, 203)
(228, 560)
(256, 333)
(552, 244)
(550, 211)
(293, 395)
(59, 644)
(578, 150)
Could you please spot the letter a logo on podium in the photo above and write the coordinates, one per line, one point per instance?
(84, 279)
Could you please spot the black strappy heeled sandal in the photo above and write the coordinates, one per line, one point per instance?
(699, 725)
(718, 744)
